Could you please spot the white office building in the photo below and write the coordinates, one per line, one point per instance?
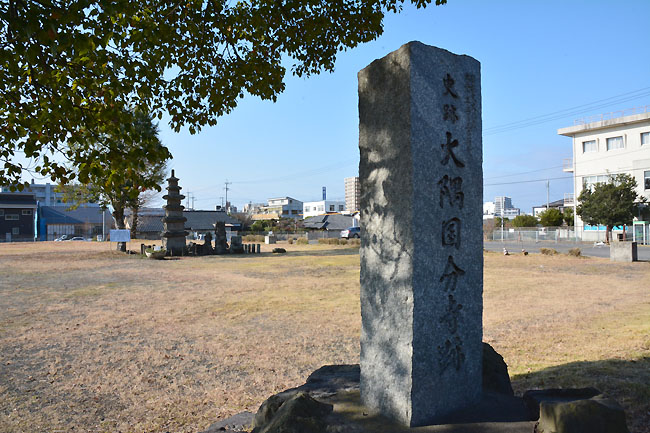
(605, 146)
(315, 208)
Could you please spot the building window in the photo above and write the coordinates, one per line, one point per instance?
(15, 231)
(590, 181)
(614, 143)
(332, 208)
(589, 146)
(27, 211)
(306, 208)
(340, 208)
(646, 179)
(645, 138)
(11, 217)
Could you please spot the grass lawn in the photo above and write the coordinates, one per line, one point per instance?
(92, 340)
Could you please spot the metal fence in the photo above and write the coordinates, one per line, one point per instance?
(534, 234)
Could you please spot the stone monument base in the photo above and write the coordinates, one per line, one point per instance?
(329, 402)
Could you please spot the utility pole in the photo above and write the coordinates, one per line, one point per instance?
(226, 188)
(547, 194)
(188, 200)
(193, 198)
(502, 223)
(221, 202)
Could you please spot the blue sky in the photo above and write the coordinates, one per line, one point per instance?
(537, 58)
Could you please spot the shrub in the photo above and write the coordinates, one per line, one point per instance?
(290, 240)
(354, 241)
(574, 252)
(302, 241)
(548, 251)
(343, 241)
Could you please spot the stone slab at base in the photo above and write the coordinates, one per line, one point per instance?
(240, 422)
(338, 385)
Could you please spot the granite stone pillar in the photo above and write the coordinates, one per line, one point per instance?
(421, 243)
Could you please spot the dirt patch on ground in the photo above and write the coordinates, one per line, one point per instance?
(93, 340)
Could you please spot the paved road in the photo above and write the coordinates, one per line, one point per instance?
(587, 248)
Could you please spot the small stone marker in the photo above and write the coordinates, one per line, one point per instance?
(421, 248)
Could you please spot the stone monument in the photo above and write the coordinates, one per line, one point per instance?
(236, 245)
(421, 244)
(173, 235)
(220, 238)
(207, 243)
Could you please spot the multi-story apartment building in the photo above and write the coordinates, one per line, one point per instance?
(352, 194)
(45, 194)
(314, 208)
(606, 146)
(503, 207)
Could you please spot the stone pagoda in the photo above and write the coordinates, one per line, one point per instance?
(174, 233)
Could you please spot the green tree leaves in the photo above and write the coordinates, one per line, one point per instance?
(77, 70)
(610, 204)
(116, 171)
(551, 218)
(525, 221)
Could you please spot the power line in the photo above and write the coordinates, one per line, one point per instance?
(561, 166)
(524, 172)
(528, 181)
(581, 109)
(293, 176)
(577, 107)
(566, 177)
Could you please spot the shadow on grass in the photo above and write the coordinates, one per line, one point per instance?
(306, 253)
(350, 251)
(626, 381)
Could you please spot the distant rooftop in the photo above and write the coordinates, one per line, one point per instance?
(612, 115)
(608, 120)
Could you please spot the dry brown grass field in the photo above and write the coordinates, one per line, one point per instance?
(95, 341)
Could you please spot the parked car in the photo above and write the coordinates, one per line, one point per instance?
(351, 232)
(63, 238)
(78, 238)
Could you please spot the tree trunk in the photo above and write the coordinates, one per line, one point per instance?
(134, 221)
(608, 232)
(118, 216)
